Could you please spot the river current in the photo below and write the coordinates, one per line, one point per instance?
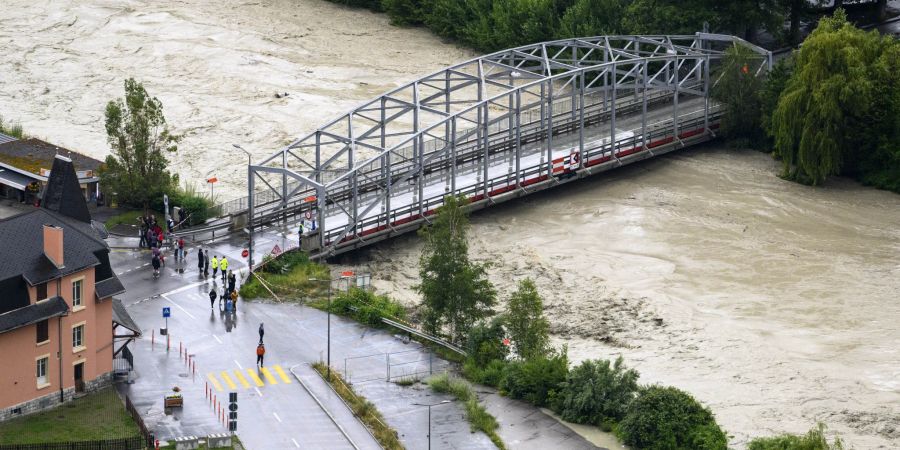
(775, 304)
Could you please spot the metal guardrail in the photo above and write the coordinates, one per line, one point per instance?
(425, 336)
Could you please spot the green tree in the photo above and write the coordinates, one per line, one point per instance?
(405, 12)
(455, 291)
(136, 131)
(739, 89)
(667, 16)
(536, 380)
(485, 342)
(449, 18)
(592, 18)
(834, 108)
(525, 322)
(813, 440)
(666, 418)
(596, 392)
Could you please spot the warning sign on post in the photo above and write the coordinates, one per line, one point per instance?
(276, 251)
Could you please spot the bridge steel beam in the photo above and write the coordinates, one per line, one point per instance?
(455, 120)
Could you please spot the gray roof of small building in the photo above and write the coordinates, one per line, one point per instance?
(109, 287)
(120, 316)
(33, 313)
(4, 138)
(37, 153)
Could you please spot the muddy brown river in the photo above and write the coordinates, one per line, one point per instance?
(775, 304)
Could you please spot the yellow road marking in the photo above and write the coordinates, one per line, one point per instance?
(241, 378)
(228, 380)
(255, 377)
(271, 379)
(281, 374)
(215, 382)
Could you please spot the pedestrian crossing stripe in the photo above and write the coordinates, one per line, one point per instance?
(281, 374)
(268, 376)
(241, 378)
(255, 377)
(228, 380)
(215, 382)
(235, 378)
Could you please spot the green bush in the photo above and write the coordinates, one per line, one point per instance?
(536, 380)
(596, 392)
(489, 375)
(485, 342)
(813, 440)
(369, 307)
(666, 418)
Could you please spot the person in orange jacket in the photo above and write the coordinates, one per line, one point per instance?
(260, 352)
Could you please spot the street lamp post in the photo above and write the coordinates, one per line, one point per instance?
(249, 194)
(429, 405)
(328, 310)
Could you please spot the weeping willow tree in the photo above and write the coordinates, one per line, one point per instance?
(830, 106)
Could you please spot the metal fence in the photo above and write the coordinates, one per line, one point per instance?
(393, 366)
(146, 435)
(131, 443)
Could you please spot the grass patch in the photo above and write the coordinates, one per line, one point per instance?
(364, 409)
(479, 418)
(97, 416)
(127, 218)
(408, 381)
(288, 276)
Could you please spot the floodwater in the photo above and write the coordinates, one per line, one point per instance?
(774, 303)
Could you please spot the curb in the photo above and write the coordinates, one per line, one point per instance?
(333, 420)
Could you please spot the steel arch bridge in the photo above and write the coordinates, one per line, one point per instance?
(492, 128)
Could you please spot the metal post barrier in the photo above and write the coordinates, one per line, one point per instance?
(387, 358)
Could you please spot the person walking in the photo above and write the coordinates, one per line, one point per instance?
(260, 352)
(214, 262)
(212, 298)
(155, 263)
(300, 238)
(180, 252)
(223, 264)
(232, 281)
(261, 333)
(205, 262)
(199, 260)
(234, 297)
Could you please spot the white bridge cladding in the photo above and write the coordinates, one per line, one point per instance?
(492, 128)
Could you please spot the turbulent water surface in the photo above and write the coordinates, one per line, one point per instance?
(774, 303)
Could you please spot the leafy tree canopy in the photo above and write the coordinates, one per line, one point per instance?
(525, 322)
(137, 132)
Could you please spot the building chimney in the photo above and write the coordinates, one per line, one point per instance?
(53, 245)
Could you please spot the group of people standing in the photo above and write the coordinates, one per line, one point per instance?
(204, 262)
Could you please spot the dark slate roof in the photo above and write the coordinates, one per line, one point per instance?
(34, 154)
(120, 316)
(4, 138)
(30, 314)
(63, 192)
(109, 287)
(22, 243)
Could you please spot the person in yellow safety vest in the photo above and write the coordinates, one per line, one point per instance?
(223, 264)
(214, 263)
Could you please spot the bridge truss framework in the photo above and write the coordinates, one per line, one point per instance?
(367, 172)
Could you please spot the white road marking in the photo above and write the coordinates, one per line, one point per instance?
(217, 338)
(179, 306)
(258, 391)
(239, 364)
(295, 443)
(276, 417)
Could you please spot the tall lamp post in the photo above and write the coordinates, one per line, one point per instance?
(249, 194)
(328, 310)
(429, 405)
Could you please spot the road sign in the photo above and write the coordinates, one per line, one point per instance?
(308, 215)
(232, 415)
(245, 253)
(167, 312)
(277, 250)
